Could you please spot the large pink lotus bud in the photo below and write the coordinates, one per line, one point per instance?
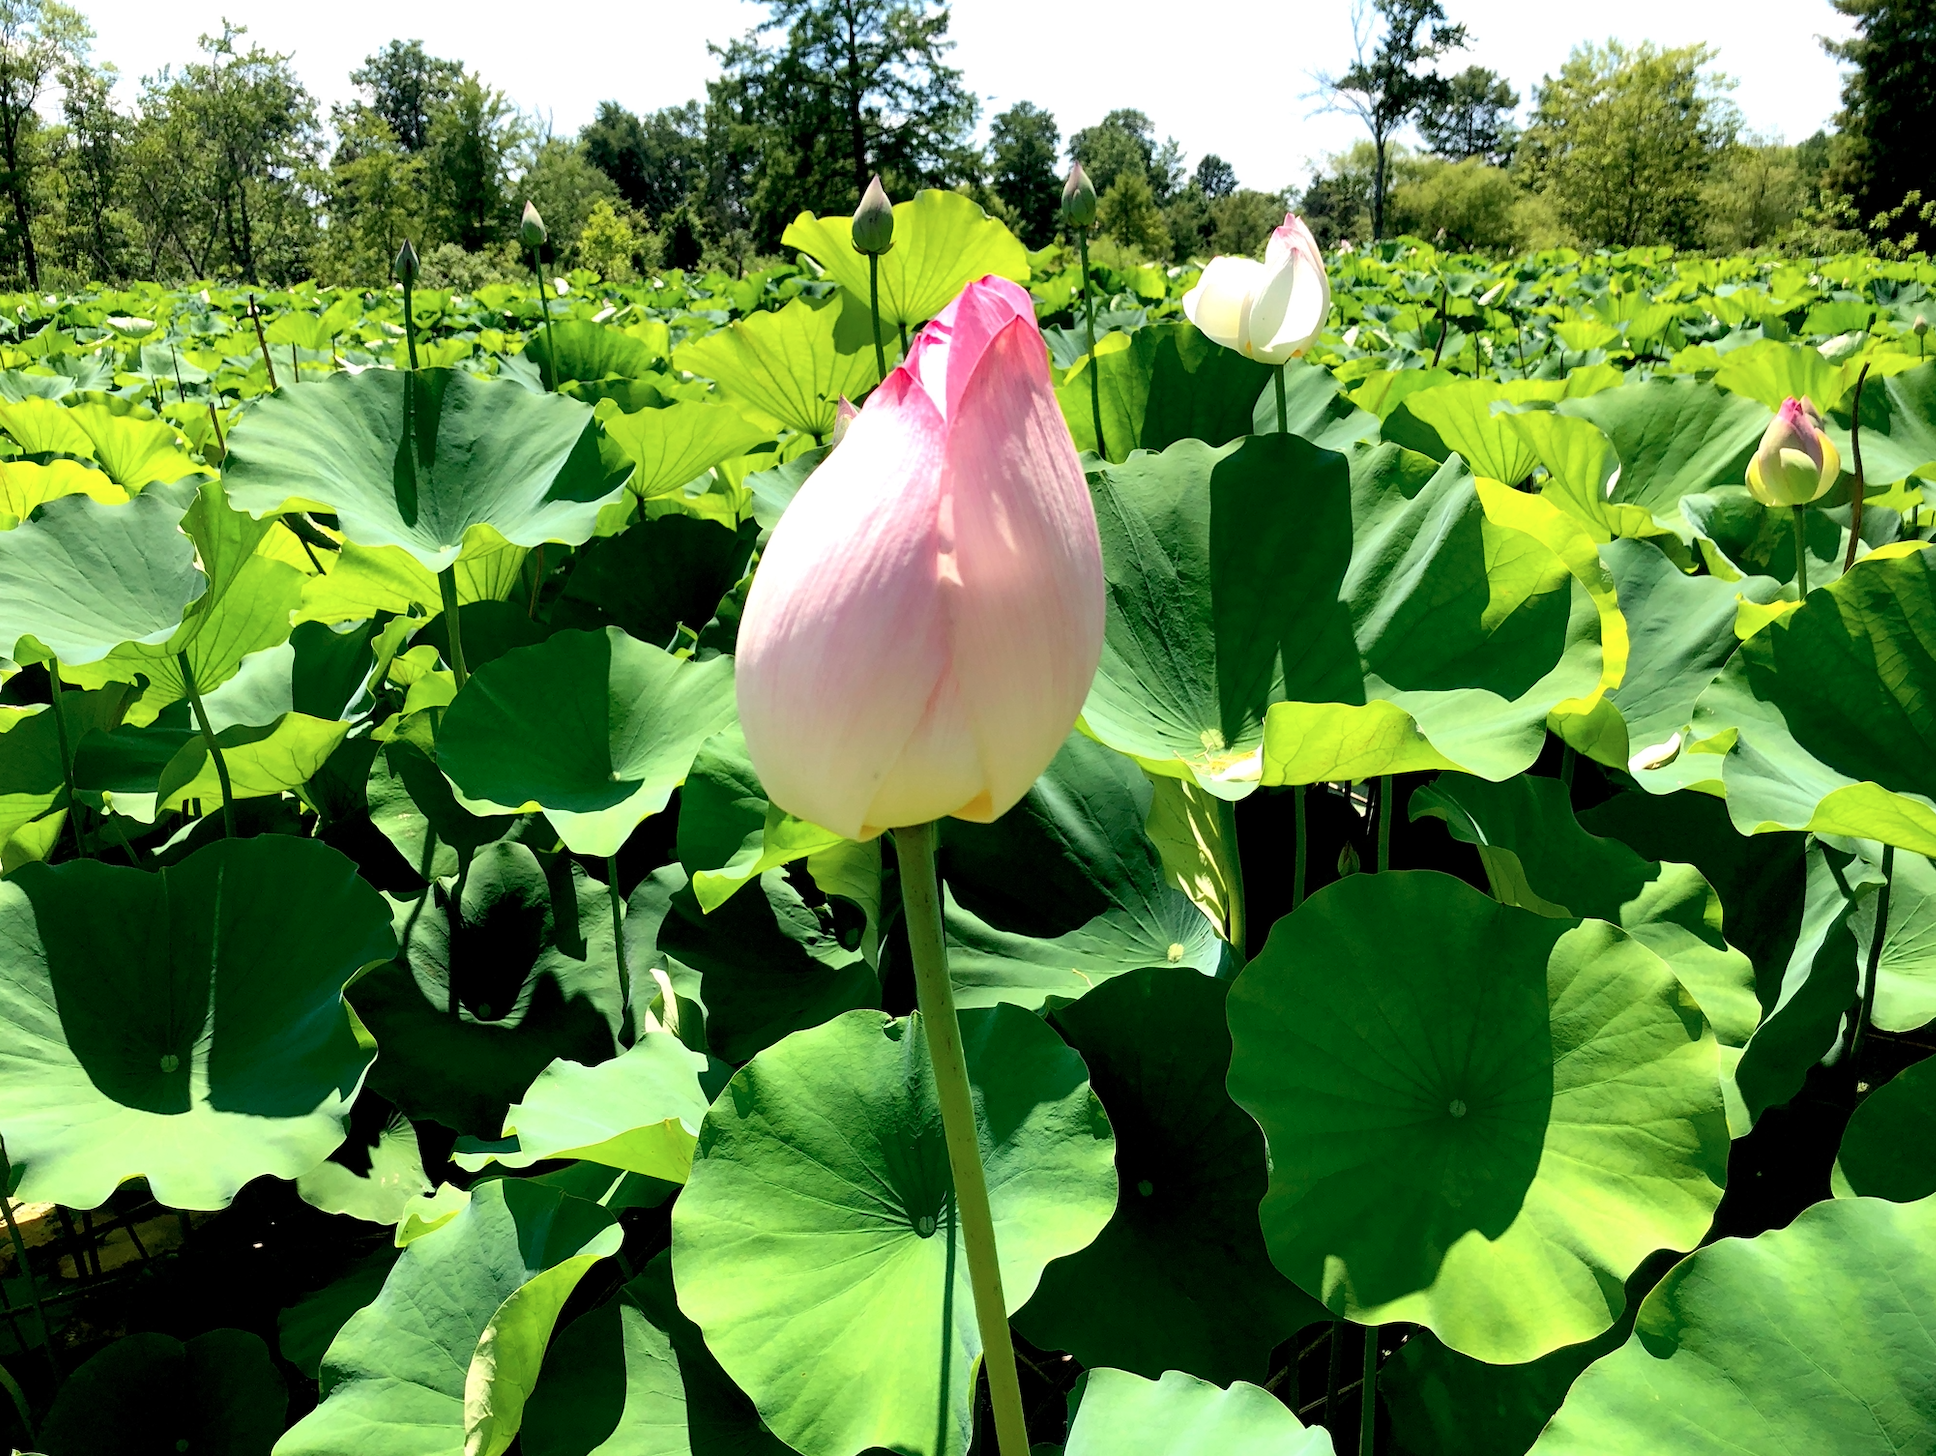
(1270, 311)
(928, 614)
(1796, 462)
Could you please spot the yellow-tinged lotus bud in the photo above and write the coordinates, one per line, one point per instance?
(1797, 462)
(874, 221)
(1920, 326)
(1078, 198)
(531, 229)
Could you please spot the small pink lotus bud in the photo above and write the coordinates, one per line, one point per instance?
(928, 615)
(1796, 462)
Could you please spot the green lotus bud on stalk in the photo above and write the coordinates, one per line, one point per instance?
(1079, 212)
(406, 268)
(874, 221)
(873, 234)
(531, 229)
(1078, 199)
(1920, 326)
(531, 233)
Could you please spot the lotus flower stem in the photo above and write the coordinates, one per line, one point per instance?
(921, 895)
(409, 327)
(20, 1260)
(1438, 348)
(1089, 314)
(1801, 553)
(1236, 921)
(618, 946)
(1861, 486)
(447, 585)
(255, 314)
(1384, 822)
(1283, 414)
(453, 921)
(214, 748)
(1334, 1375)
(1303, 850)
(1368, 1391)
(551, 341)
(1866, 1015)
(874, 308)
(66, 752)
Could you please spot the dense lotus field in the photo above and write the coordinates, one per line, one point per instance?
(1463, 987)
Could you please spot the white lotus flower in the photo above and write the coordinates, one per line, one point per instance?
(1269, 311)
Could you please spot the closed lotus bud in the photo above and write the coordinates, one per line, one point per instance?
(1796, 462)
(1078, 198)
(1269, 311)
(928, 615)
(874, 221)
(531, 229)
(406, 264)
(1920, 326)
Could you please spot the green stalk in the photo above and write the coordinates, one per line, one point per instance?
(66, 753)
(544, 305)
(1368, 1392)
(20, 1258)
(214, 748)
(874, 307)
(1867, 1012)
(1384, 822)
(1303, 851)
(409, 327)
(1801, 553)
(1089, 311)
(447, 585)
(455, 920)
(1238, 920)
(1283, 415)
(921, 898)
(618, 946)
(1334, 1376)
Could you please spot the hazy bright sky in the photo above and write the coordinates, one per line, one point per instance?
(1219, 76)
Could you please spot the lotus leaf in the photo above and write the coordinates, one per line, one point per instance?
(595, 728)
(1485, 1139)
(445, 1357)
(1179, 1279)
(144, 1035)
(816, 1242)
(478, 453)
(943, 241)
(1815, 1337)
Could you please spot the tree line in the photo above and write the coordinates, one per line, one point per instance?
(226, 168)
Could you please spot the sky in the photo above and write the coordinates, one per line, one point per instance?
(1230, 78)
